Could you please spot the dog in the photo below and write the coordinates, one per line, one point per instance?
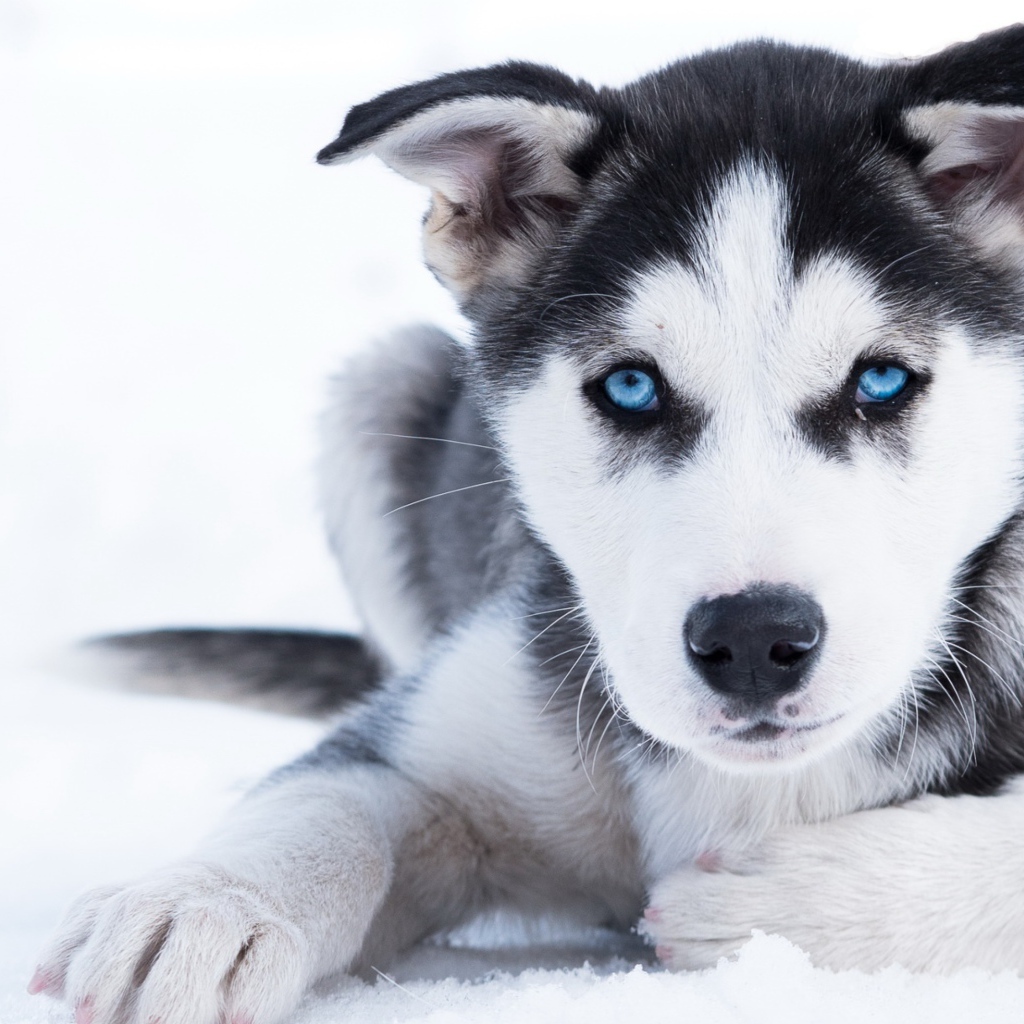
(692, 586)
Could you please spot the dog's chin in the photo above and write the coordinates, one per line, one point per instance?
(768, 746)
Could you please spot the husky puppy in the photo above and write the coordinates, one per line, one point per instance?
(692, 587)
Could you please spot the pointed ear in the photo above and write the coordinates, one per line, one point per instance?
(972, 129)
(499, 149)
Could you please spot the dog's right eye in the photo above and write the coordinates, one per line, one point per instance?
(632, 390)
(881, 383)
(628, 393)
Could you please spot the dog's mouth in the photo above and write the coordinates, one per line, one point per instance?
(759, 732)
(766, 740)
(765, 730)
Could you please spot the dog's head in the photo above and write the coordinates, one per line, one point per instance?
(749, 331)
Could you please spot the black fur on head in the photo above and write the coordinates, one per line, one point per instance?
(542, 184)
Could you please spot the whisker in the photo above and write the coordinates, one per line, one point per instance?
(917, 729)
(988, 625)
(572, 668)
(612, 718)
(593, 726)
(951, 693)
(537, 636)
(609, 699)
(568, 298)
(988, 586)
(903, 727)
(547, 611)
(416, 437)
(647, 746)
(904, 697)
(963, 675)
(1006, 642)
(442, 494)
(401, 988)
(579, 736)
(999, 677)
(904, 256)
(562, 654)
(679, 760)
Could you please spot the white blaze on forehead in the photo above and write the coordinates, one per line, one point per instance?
(875, 541)
(740, 332)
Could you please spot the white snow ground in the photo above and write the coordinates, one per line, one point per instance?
(177, 279)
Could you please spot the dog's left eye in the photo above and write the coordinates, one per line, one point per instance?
(881, 383)
(631, 389)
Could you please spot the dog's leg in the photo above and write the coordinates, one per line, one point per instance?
(282, 894)
(935, 884)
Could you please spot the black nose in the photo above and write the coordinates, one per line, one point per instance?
(756, 645)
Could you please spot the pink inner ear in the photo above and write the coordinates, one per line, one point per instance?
(469, 164)
(1015, 169)
(997, 143)
(1001, 141)
(948, 183)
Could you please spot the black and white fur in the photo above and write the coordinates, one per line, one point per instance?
(754, 226)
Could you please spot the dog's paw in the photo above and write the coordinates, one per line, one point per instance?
(827, 888)
(191, 946)
(932, 885)
(699, 914)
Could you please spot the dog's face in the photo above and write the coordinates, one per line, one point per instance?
(765, 482)
(750, 338)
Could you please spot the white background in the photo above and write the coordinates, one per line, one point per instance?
(177, 280)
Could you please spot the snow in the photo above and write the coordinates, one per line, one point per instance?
(179, 279)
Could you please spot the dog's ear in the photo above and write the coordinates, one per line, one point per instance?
(970, 121)
(499, 149)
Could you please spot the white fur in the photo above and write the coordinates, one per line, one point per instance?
(526, 784)
(286, 888)
(876, 542)
(935, 885)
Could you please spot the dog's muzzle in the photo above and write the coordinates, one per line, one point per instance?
(755, 646)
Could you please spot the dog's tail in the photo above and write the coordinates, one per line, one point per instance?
(308, 674)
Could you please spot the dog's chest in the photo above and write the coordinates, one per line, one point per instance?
(552, 822)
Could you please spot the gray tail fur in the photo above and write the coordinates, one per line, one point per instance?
(308, 674)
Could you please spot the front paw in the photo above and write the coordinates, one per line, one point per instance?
(696, 916)
(191, 946)
(894, 885)
(805, 883)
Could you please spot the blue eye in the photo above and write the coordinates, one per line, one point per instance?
(632, 390)
(880, 383)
